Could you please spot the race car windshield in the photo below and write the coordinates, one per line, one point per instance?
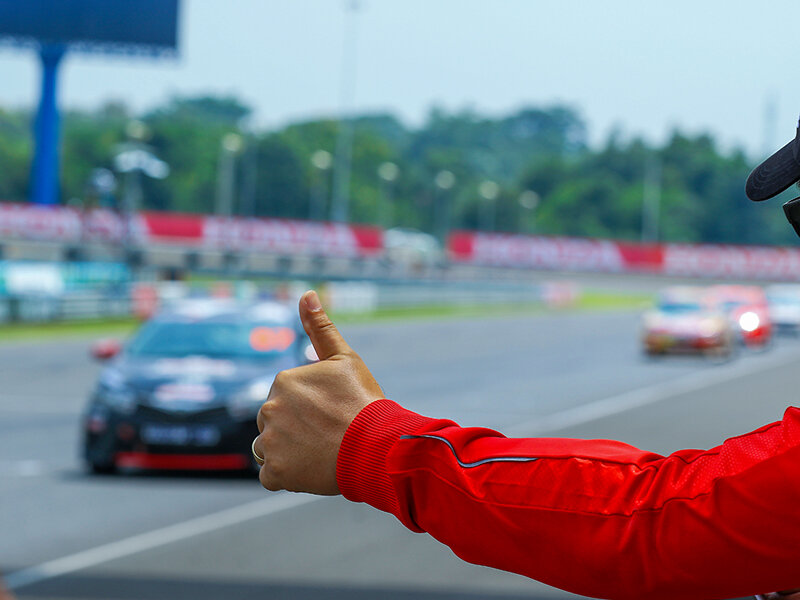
(784, 300)
(216, 340)
(729, 305)
(678, 307)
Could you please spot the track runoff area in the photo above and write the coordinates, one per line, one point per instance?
(71, 535)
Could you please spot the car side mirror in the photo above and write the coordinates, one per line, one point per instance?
(103, 350)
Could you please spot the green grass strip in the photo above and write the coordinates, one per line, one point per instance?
(588, 301)
(13, 332)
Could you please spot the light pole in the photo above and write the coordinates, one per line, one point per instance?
(340, 202)
(230, 146)
(651, 200)
(388, 173)
(133, 159)
(100, 187)
(249, 187)
(321, 160)
(444, 181)
(489, 191)
(528, 201)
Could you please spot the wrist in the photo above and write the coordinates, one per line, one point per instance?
(361, 472)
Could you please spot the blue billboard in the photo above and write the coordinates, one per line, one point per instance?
(101, 25)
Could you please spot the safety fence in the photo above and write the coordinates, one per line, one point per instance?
(74, 306)
(143, 299)
(360, 296)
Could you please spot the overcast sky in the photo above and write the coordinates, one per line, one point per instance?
(645, 67)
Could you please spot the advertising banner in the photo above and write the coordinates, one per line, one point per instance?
(309, 238)
(607, 256)
(280, 236)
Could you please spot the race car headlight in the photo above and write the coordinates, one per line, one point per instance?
(114, 392)
(247, 401)
(749, 321)
(709, 328)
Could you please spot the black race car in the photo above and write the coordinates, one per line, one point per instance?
(183, 393)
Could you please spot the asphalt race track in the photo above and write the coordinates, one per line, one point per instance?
(67, 535)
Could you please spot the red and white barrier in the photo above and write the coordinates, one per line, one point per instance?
(289, 237)
(754, 262)
(280, 236)
(292, 237)
(39, 222)
(606, 256)
(536, 252)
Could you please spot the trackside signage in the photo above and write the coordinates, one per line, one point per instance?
(536, 252)
(282, 236)
(59, 224)
(607, 256)
(732, 261)
(291, 237)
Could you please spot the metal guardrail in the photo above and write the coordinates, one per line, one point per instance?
(72, 307)
(361, 296)
(393, 295)
(352, 296)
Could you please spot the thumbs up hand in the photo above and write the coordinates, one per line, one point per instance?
(309, 408)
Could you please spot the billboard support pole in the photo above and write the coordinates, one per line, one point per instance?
(44, 182)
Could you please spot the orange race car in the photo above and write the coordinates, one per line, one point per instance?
(681, 322)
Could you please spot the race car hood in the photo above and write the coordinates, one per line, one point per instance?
(194, 381)
(684, 324)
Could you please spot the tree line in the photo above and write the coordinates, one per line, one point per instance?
(531, 171)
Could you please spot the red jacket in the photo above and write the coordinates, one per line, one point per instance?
(595, 517)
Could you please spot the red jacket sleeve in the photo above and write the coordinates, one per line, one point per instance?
(595, 517)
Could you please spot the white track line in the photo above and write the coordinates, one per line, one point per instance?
(599, 409)
(578, 415)
(159, 537)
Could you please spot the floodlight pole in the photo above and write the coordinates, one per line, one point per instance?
(343, 156)
(651, 201)
(44, 183)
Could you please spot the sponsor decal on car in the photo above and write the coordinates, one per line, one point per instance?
(184, 392)
(271, 339)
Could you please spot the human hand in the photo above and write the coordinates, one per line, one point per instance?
(309, 408)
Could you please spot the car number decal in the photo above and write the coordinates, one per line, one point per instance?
(271, 339)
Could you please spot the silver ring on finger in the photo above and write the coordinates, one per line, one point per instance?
(258, 458)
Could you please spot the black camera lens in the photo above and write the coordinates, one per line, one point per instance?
(792, 211)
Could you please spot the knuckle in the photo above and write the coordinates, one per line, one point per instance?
(268, 482)
(265, 411)
(281, 379)
(265, 443)
(277, 469)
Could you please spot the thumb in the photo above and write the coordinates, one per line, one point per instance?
(324, 336)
